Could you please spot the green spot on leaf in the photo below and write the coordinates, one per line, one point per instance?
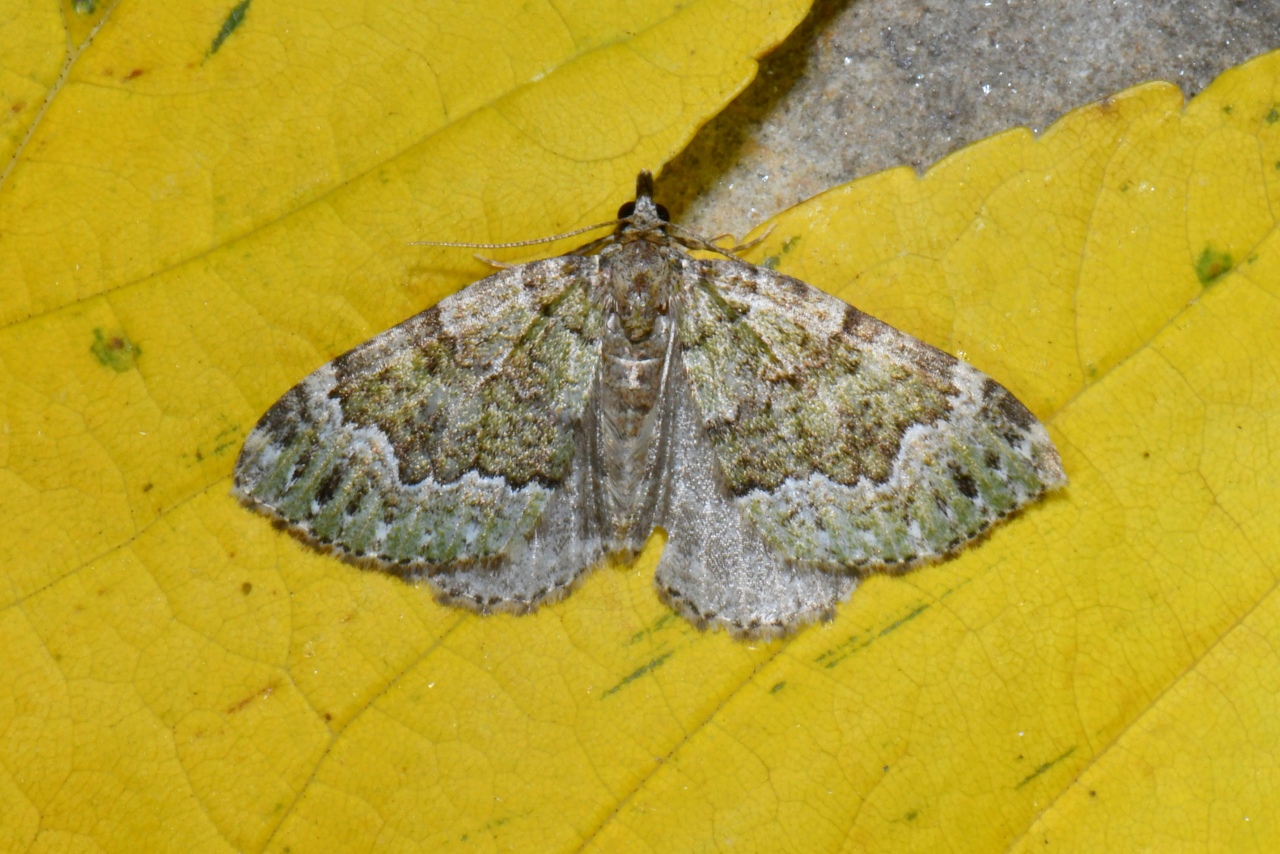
(1212, 265)
(234, 19)
(1043, 768)
(658, 624)
(637, 673)
(115, 351)
(778, 687)
(85, 7)
(1273, 116)
(908, 618)
(772, 261)
(840, 652)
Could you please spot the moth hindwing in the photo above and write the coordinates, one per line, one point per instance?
(502, 443)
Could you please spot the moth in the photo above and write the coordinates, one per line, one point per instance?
(503, 443)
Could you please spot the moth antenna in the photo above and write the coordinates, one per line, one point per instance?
(553, 238)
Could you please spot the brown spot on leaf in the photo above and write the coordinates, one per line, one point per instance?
(263, 694)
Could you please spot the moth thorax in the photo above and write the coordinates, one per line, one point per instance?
(640, 278)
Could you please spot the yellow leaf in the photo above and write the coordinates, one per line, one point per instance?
(197, 207)
(1100, 674)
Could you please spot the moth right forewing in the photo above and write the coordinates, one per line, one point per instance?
(442, 440)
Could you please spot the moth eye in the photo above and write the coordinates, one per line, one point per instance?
(664, 214)
(626, 210)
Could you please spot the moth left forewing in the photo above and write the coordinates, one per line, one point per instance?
(848, 443)
(438, 446)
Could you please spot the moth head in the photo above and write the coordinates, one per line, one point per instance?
(644, 212)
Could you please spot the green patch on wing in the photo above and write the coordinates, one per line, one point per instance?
(323, 482)
(445, 418)
(783, 403)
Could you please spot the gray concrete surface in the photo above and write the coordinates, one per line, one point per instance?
(863, 85)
